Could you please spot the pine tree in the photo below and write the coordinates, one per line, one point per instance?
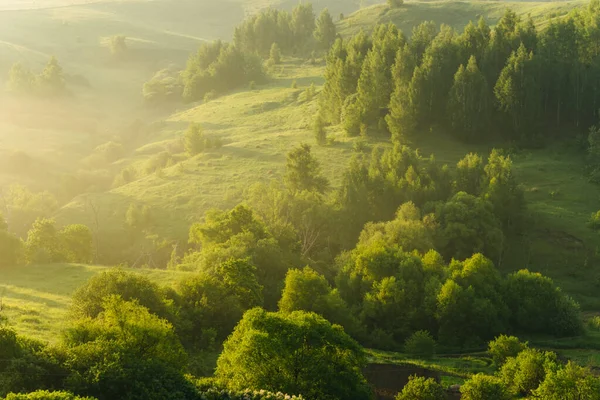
(275, 54)
(468, 103)
(303, 24)
(372, 93)
(517, 92)
(303, 171)
(325, 31)
(399, 120)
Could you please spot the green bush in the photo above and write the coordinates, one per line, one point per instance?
(504, 347)
(421, 388)
(220, 394)
(524, 373)
(594, 221)
(45, 395)
(420, 344)
(594, 323)
(484, 387)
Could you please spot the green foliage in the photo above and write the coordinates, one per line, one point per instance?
(524, 373)
(164, 86)
(194, 139)
(43, 243)
(319, 130)
(325, 31)
(218, 67)
(77, 243)
(50, 82)
(594, 222)
(484, 387)
(125, 352)
(221, 394)
(263, 341)
(21, 80)
(569, 382)
(395, 3)
(24, 207)
(275, 54)
(303, 171)
(88, 300)
(11, 246)
(503, 347)
(46, 395)
(420, 344)
(537, 306)
(26, 365)
(421, 388)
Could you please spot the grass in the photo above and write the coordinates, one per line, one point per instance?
(36, 298)
(453, 13)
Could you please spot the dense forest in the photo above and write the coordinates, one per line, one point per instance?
(280, 296)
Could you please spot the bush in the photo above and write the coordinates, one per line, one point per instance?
(421, 388)
(420, 344)
(220, 394)
(504, 347)
(570, 382)
(594, 323)
(524, 373)
(484, 387)
(45, 395)
(395, 3)
(594, 222)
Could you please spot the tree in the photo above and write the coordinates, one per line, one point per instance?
(325, 32)
(470, 175)
(504, 347)
(524, 373)
(11, 246)
(194, 140)
(88, 299)
(21, 80)
(421, 388)
(77, 243)
(517, 92)
(569, 383)
(395, 3)
(126, 352)
(275, 54)
(467, 226)
(43, 243)
(302, 347)
(303, 171)
(118, 45)
(52, 80)
(319, 130)
(420, 344)
(303, 24)
(468, 103)
(484, 387)
(538, 306)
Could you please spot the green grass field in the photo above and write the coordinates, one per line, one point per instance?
(36, 298)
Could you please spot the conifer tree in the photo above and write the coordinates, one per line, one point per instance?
(275, 54)
(325, 31)
(468, 104)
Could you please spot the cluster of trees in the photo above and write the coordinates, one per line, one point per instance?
(46, 244)
(429, 268)
(131, 339)
(298, 32)
(514, 77)
(215, 68)
(50, 82)
(523, 372)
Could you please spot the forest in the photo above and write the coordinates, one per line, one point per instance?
(353, 248)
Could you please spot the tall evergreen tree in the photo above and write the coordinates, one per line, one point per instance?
(325, 31)
(468, 104)
(517, 92)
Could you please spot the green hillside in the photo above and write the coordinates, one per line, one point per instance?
(454, 13)
(36, 298)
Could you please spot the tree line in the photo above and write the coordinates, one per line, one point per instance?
(526, 83)
(218, 66)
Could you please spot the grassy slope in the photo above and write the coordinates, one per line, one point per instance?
(36, 298)
(454, 13)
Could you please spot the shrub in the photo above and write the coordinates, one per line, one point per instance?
(420, 344)
(523, 373)
(570, 382)
(594, 323)
(45, 395)
(505, 346)
(594, 222)
(210, 96)
(294, 84)
(395, 3)
(421, 388)
(484, 387)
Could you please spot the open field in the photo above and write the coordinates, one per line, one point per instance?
(36, 298)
